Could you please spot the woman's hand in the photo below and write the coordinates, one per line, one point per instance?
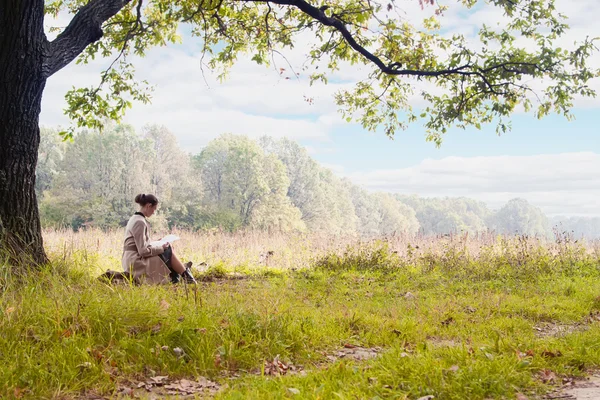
(165, 246)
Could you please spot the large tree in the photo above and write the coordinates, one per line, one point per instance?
(471, 83)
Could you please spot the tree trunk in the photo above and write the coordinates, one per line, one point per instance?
(22, 82)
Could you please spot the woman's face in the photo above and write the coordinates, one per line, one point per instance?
(149, 209)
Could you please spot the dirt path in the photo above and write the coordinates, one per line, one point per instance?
(588, 389)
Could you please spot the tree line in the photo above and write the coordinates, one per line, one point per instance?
(237, 183)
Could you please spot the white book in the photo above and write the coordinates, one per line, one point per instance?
(167, 239)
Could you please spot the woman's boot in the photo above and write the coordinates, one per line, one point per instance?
(187, 274)
(174, 275)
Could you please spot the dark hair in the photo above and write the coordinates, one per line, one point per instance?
(143, 199)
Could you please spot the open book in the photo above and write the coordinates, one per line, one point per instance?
(166, 239)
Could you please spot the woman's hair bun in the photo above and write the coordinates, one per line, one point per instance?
(143, 199)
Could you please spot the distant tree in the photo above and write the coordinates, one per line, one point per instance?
(366, 208)
(519, 217)
(303, 172)
(240, 178)
(168, 163)
(173, 179)
(578, 227)
(334, 206)
(276, 211)
(98, 178)
(395, 216)
(448, 215)
(322, 198)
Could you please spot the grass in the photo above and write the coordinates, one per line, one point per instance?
(457, 318)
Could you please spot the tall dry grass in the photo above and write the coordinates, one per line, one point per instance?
(250, 250)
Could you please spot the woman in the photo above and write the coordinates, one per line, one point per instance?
(145, 262)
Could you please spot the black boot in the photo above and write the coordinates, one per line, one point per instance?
(174, 277)
(187, 274)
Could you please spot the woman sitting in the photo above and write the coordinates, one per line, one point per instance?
(145, 262)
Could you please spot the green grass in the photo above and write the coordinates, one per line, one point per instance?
(449, 325)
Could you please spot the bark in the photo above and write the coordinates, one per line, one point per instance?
(27, 59)
(85, 28)
(22, 82)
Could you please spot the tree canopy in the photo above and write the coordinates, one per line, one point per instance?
(468, 81)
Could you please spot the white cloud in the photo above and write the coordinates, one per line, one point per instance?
(256, 101)
(566, 184)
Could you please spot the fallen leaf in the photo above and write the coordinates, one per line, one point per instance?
(127, 391)
(567, 380)
(521, 396)
(178, 351)
(428, 397)
(277, 367)
(181, 318)
(134, 330)
(10, 310)
(187, 387)
(454, 368)
(159, 379)
(96, 354)
(164, 305)
(164, 348)
(547, 376)
(200, 330)
(293, 390)
(18, 392)
(349, 346)
(156, 328)
(551, 354)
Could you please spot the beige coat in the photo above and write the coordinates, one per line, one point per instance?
(140, 258)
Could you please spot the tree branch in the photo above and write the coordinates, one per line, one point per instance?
(84, 29)
(394, 67)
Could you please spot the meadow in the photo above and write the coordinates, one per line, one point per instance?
(305, 317)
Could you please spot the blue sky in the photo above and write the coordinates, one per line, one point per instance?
(529, 136)
(553, 163)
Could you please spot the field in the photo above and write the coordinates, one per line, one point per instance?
(306, 317)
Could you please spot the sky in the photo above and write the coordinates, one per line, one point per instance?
(553, 163)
